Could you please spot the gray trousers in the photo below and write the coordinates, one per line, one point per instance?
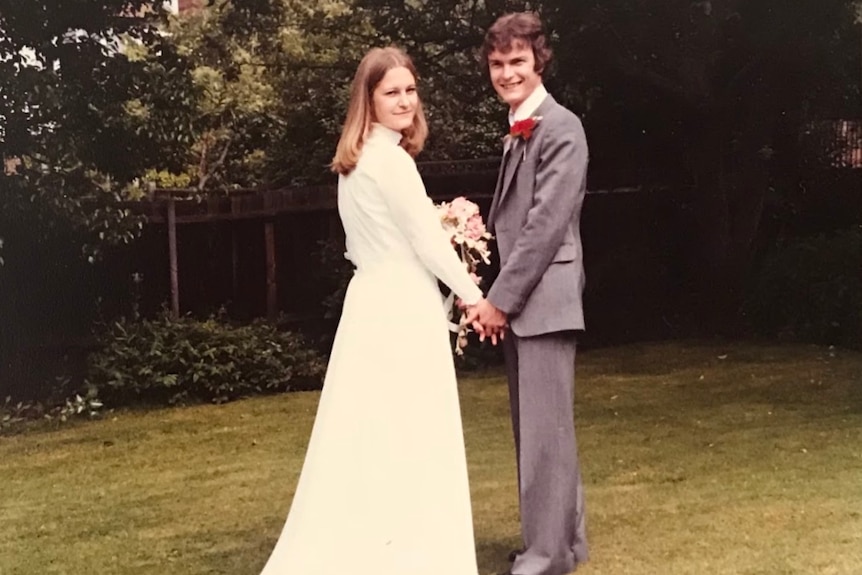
(541, 373)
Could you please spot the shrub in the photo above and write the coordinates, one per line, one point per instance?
(17, 414)
(169, 361)
(810, 290)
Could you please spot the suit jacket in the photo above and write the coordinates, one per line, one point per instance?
(535, 216)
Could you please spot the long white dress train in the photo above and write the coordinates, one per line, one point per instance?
(384, 489)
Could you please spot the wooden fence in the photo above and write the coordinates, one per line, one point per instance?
(257, 252)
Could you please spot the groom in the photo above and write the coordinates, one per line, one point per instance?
(535, 216)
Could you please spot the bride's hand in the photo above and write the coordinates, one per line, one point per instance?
(487, 321)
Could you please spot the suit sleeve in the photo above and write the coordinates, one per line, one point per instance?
(416, 217)
(557, 197)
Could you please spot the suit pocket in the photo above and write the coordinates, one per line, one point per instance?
(566, 253)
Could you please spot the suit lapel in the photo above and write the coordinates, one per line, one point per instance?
(516, 151)
(496, 200)
(511, 166)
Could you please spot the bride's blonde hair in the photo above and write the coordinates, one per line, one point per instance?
(360, 111)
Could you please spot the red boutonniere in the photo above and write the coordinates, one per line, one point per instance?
(524, 128)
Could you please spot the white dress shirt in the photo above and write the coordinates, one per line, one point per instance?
(529, 106)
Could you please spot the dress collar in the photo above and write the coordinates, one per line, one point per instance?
(530, 105)
(380, 131)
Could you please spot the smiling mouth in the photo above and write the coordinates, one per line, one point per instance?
(510, 85)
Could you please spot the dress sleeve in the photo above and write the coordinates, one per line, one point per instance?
(416, 217)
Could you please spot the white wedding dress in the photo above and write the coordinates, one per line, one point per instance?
(383, 489)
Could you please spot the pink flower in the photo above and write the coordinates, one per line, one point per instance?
(464, 207)
(475, 228)
(462, 222)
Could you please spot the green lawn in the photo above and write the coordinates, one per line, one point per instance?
(699, 458)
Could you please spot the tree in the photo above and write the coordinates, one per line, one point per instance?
(465, 119)
(707, 94)
(266, 95)
(65, 81)
(727, 87)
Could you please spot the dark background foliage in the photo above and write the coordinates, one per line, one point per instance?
(717, 118)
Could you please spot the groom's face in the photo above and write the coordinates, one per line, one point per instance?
(513, 73)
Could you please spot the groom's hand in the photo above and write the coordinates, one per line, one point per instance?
(488, 321)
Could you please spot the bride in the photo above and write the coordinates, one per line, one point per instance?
(383, 489)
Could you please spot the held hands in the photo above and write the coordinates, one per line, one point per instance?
(487, 321)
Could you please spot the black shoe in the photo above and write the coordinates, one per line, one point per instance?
(513, 554)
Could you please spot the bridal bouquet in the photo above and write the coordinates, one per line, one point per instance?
(463, 222)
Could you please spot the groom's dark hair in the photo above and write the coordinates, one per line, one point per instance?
(510, 29)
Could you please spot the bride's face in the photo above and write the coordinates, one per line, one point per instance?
(395, 99)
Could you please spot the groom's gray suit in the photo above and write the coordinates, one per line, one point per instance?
(535, 217)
